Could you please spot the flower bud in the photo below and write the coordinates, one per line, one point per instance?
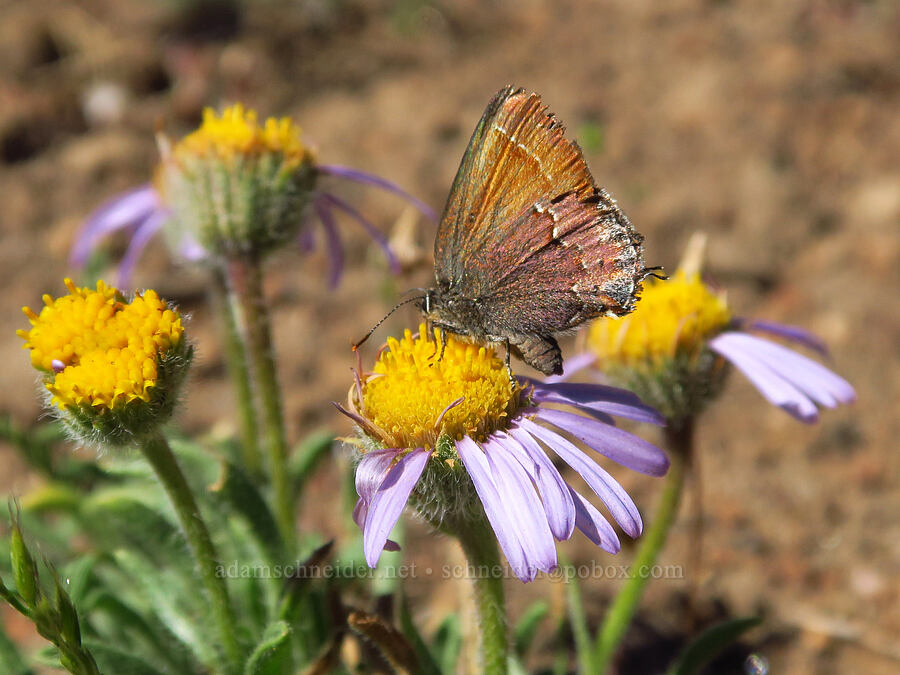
(111, 368)
(660, 351)
(237, 186)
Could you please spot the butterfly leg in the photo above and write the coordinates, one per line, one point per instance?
(509, 372)
(443, 336)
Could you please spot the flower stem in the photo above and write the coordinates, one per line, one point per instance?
(245, 283)
(238, 370)
(157, 451)
(486, 573)
(618, 617)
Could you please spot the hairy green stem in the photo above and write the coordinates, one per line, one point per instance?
(486, 573)
(618, 617)
(157, 451)
(239, 372)
(245, 282)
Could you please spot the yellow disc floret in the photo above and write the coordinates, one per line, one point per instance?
(237, 133)
(673, 318)
(99, 350)
(408, 395)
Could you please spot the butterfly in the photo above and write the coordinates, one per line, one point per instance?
(528, 247)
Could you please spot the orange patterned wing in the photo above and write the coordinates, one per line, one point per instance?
(518, 156)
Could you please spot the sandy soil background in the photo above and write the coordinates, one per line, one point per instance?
(772, 126)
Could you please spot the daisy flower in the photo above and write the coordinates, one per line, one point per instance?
(460, 440)
(231, 184)
(673, 349)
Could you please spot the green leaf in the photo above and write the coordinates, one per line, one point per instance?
(584, 649)
(427, 664)
(136, 517)
(527, 626)
(177, 601)
(448, 643)
(52, 497)
(710, 643)
(272, 655)
(11, 660)
(24, 570)
(306, 456)
(119, 623)
(114, 660)
(238, 490)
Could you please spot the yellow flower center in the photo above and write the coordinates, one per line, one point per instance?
(237, 133)
(674, 317)
(411, 388)
(103, 351)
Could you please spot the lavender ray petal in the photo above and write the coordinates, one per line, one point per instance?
(582, 393)
(360, 510)
(593, 525)
(138, 243)
(637, 412)
(613, 495)
(507, 534)
(571, 366)
(378, 181)
(389, 500)
(558, 504)
(768, 382)
(371, 471)
(190, 249)
(121, 211)
(814, 379)
(333, 243)
(378, 236)
(620, 446)
(793, 333)
(518, 493)
(306, 240)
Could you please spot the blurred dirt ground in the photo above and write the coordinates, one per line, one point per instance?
(772, 126)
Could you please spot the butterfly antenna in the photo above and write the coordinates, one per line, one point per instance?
(656, 273)
(357, 344)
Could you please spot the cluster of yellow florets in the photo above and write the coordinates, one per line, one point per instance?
(412, 385)
(100, 350)
(672, 318)
(237, 133)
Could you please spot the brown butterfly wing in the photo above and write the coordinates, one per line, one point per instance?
(580, 259)
(525, 232)
(518, 154)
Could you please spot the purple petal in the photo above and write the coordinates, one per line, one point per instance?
(518, 494)
(507, 534)
(367, 226)
(388, 502)
(360, 512)
(372, 469)
(770, 384)
(812, 378)
(594, 526)
(613, 495)
(333, 243)
(572, 366)
(558, 504)
(599, 398)
(190, 249)
(121, 211)
(620, 446)
(794, 333)
(377, 181)
(306, 240)
(138, 243)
